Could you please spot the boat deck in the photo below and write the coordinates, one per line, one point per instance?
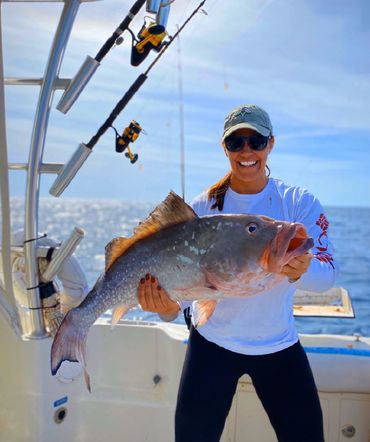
(135, 369)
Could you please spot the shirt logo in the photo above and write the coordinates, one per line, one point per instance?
(323, 254)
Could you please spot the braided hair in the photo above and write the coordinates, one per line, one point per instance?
(219, 189)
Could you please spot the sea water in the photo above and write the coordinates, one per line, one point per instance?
(103, 220)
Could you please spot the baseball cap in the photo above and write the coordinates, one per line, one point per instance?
(248, 116)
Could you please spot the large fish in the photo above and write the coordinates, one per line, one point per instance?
(205, 259)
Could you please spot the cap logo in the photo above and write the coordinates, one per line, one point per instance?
(250, 116)
(241, 113)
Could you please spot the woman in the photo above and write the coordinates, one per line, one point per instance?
(254, 335)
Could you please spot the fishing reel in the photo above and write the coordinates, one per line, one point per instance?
(152, 33)
(130, 135)
(150, 37)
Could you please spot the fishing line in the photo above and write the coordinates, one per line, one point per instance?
(184, 10)
(136, 85)
(163, 78)
(157, 86)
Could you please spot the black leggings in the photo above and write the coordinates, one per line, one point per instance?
(283, 382)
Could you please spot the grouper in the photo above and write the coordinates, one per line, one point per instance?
(194, 258)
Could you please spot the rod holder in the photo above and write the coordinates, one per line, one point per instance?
(152, 6)
(162, 16)
(69, 170)
(65, 251)
(77, 84)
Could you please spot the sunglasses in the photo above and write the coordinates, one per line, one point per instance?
(235, 143)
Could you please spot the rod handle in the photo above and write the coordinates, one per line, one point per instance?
(119, 108)
(121, 28)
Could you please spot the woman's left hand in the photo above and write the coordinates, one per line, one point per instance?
(297, 266)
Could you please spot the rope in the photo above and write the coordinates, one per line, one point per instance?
(35, 239)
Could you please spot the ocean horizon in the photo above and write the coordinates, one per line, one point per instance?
(103, 220)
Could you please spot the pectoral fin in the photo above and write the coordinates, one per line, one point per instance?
(118, 312)
(203, 311)
(87, 380)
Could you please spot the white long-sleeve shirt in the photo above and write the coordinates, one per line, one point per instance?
(264, 323)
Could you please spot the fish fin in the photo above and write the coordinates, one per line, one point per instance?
(114, 249)
(203, 311)
(87, 380)
(173, 210)
(118, 312)
(69, 343)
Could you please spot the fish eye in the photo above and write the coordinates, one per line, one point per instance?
(251, 227)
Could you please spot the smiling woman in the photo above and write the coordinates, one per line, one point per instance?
(251, 335)
(247, 143)
(248, 162)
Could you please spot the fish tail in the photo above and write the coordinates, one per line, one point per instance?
(70, 344)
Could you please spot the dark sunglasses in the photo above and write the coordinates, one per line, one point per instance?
(235, 143)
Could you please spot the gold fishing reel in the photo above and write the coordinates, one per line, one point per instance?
(150, 36)
(129, 135)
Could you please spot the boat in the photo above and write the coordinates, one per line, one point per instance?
(136, 365)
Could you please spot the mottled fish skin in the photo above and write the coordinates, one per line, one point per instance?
(207, 258)
(183, 257)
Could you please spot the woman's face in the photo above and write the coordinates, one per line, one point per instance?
(248, 166)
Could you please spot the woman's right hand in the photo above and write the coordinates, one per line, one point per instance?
(153, 298)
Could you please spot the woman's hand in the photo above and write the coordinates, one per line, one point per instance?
(297, 266)
(153, 298)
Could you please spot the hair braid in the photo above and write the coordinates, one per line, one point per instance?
(218, 191)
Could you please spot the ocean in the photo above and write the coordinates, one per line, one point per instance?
(103, 220)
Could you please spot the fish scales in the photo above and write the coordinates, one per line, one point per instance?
(204, 259)
(163, 253)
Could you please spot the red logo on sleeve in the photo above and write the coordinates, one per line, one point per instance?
(323, 254)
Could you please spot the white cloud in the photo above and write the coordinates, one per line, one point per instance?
(304, 63)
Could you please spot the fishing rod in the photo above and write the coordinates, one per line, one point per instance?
(149, 37)
(70, 169)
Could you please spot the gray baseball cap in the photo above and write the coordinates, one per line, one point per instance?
(248, 116)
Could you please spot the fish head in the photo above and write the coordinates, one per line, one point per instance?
(253, 241)
(289, 241)
(242, 249)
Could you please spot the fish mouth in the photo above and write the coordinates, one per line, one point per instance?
(291, 241)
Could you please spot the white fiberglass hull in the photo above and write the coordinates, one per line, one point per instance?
(135, 368)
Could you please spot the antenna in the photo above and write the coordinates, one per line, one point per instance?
(181, 118)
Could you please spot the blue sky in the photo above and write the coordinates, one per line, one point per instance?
(305, 62)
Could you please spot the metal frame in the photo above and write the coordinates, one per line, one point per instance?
(35, 160)
(6, 302)
(49, 83)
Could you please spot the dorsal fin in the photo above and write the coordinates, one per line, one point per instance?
(114, 249)
(173, 210)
